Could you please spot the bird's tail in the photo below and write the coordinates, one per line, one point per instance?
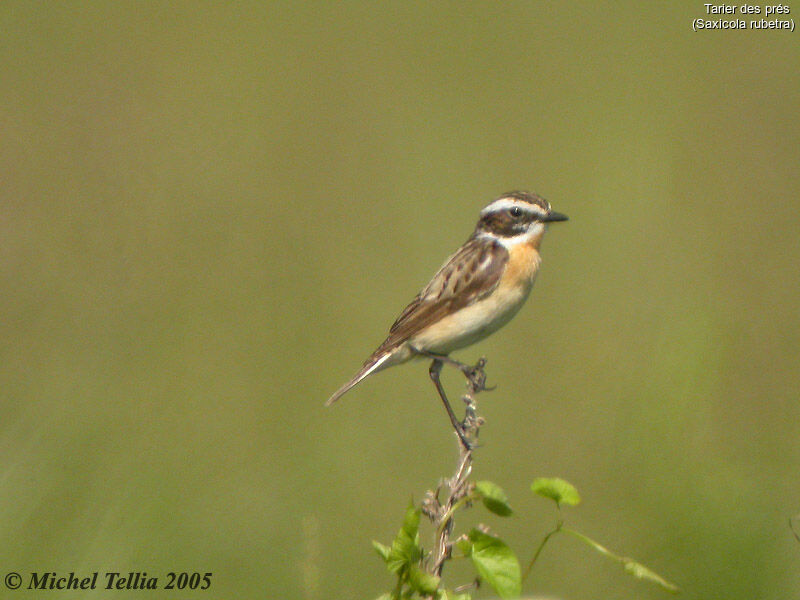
(373, 364)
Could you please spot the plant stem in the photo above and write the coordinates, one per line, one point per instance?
(539, 550)
(441, 513)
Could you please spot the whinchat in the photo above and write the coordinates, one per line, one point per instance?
(477, 291)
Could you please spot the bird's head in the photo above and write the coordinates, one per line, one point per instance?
(517, 217)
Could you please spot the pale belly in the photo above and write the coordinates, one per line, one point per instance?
(474, 322)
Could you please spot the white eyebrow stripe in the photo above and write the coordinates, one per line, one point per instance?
(506, 203)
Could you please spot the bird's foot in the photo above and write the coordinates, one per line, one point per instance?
(476, 376)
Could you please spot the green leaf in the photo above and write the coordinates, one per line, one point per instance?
(450, 595)
(411, 520)
(382, 550)
(496, 563)
(631, 566)
(596, 545)
(494, 498)
(405, 550)
(403, 554)
(386, 596)
(641, 572)
(464, 545)
(422, 582)
(556, 489)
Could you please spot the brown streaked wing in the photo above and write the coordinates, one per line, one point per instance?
(471, 274)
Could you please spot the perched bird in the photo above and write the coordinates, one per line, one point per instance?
(477, 291)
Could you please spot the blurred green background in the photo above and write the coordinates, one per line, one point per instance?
(211, 213)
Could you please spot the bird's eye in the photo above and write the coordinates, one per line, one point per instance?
(515, 211)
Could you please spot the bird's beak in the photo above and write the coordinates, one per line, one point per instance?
(554, 216)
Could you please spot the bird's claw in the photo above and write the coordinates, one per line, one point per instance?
(476, 376)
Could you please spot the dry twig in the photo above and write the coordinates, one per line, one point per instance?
(456, 488)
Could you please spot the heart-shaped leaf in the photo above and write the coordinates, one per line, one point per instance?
(556, 489)
(494, 498)
(496, 564)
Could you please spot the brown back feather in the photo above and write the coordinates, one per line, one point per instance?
(469, 275)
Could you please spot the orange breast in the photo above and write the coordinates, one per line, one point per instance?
(523, 262)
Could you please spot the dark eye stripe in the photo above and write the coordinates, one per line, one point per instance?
(503, 223)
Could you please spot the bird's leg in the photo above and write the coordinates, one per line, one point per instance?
(463, 367)
(434, 371)
(475, 374)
